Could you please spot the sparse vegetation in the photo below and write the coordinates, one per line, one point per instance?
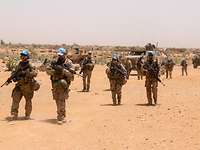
(12, 62)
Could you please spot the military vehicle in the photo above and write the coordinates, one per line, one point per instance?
(196, 60)
(159, 55)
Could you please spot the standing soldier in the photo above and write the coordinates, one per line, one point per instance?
(117, 75)
(128, 67)
(61, 73)
(126, 62)
(87, 67)
(140, 68)
(169, 66)
(23, 75)
(151, 69)
(184, 65)
(150, 47)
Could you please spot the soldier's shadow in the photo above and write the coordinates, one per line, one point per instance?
(110, 105)
(81, 91)
(51, 121)
(147, 105)
(8, 119)
(106, 90)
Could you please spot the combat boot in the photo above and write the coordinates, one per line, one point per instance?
(114, 101)
(59, 122)
(149, 102)
(27, 117)
(64, 120)
(84, 89)
(14, 117)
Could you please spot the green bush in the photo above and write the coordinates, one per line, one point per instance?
(12, 62)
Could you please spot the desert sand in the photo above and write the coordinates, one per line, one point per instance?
(94, 124)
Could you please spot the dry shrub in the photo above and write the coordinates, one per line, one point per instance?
(12, 62)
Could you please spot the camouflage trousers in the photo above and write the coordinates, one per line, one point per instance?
(86, 80)
(17, 94)
(128, 72)
(140, 74)
(151, 88)
(60, 95)
(116, 91)
(184, 70)
(168, 74)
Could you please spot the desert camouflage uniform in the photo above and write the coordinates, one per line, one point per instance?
(140, 69)
(184, 67)
(169, 66)
(117, 80)
(128, 66)
(25, 87)
(87, 67)
(151, 70)
(61, 79)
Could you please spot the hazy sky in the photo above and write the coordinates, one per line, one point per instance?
(173, 23)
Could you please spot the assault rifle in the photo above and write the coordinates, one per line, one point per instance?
(16, 75)
(71, 70)
(154, 74)
(118, 70)
(59, 67)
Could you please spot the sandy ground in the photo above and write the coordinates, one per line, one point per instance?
(94, 124)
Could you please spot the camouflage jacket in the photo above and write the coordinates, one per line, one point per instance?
(59, 71)
(169, 65)
(184, 63)
(151, 69)
(87, 64)
(116, 71)
(24, 73)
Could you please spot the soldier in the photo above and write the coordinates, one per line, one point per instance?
(128, 67)
(87, 67)
(169, 66)
(184, 65)
(23, 75)
(61, 72)
(117, 75)
(150, 47)
(151, 69)
(140, 68)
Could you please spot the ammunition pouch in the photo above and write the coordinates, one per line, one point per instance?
(88, 66)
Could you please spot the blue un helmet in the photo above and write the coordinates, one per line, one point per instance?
(115, 57)
(61, 51)
(25, 53)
